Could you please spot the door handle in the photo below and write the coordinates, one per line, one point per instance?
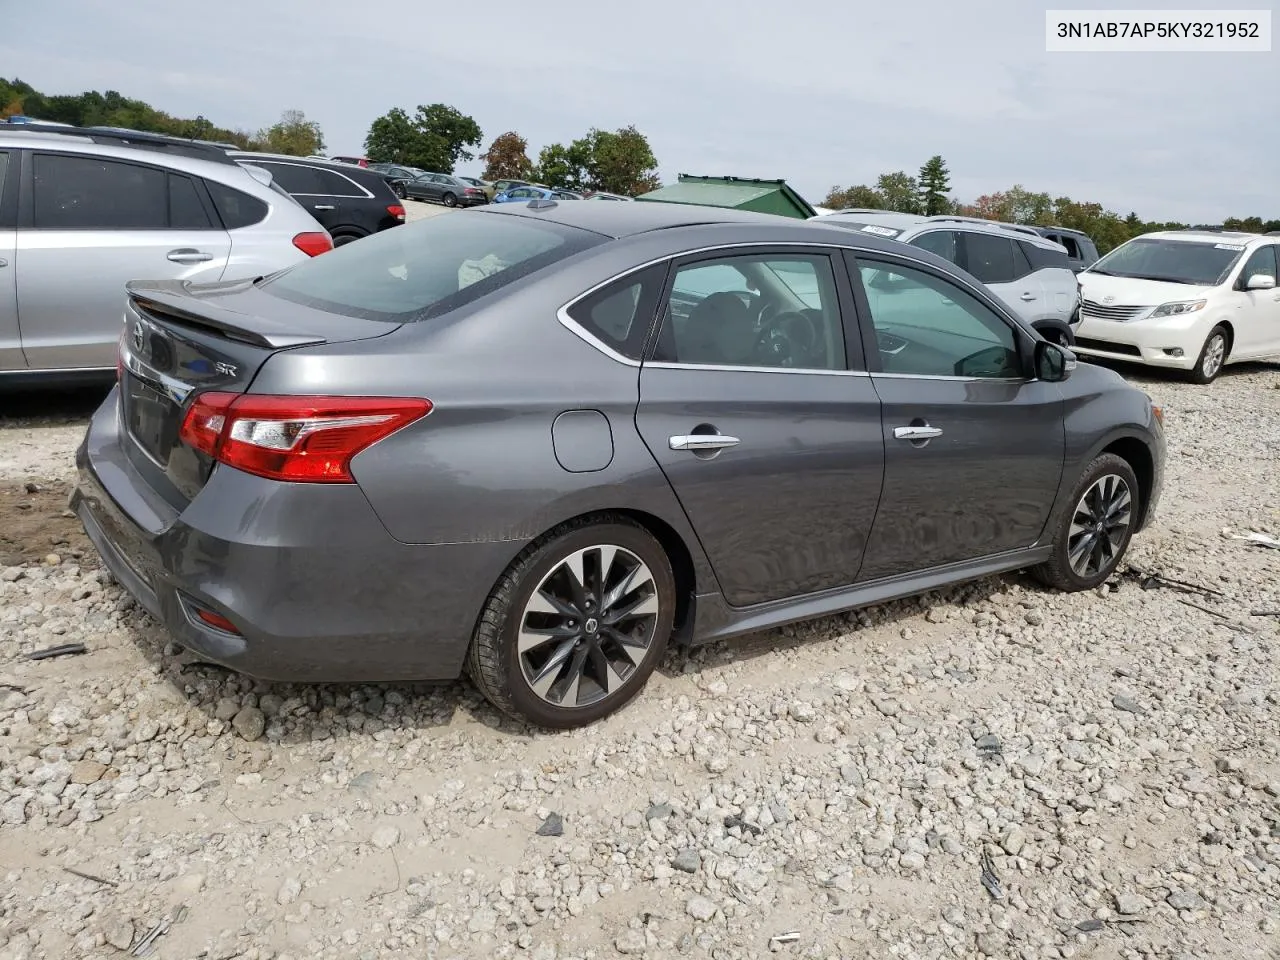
(1028, 296)
(189, 255)
(323, 206)
(3, 262)
(916, 432)
(702, 441)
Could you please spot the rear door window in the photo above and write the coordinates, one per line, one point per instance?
(74, 192)
(334, 184)
(294, 177)
(186, 209)
(941, 242)
(989, 258)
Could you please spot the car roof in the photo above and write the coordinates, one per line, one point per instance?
(1202, 236)
(628, 219)
(912, 224)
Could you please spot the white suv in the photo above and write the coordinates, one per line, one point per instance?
(85, 210)
(1028, 272)
(1192, 300)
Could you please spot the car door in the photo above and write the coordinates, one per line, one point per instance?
(1257, 318)
(974, 446)
(769, 437)
(11, 357)
(88, 225)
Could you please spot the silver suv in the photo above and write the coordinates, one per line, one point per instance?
(1030, 273)
(85, 210)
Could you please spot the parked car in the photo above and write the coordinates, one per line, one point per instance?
(768, 420)
(489, 190)
(1028, 272)
(354, 161)
(352, 202)
(394, 173)
(1081, 250)
(527, 193)
(443, 188)
(1190, 300)
(601, 195)
(501, 185)
(84, 209)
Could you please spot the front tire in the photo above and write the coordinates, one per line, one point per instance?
(575, 626)
(1213, 356)
(450, 200)
(1094, 532)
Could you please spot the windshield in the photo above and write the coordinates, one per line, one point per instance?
(427, 268)
(1202, 263)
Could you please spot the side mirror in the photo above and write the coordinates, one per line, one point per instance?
(1053, 363)
(1260, 281)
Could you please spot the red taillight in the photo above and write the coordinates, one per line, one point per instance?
(313, 244)
(301, 439)
(217, 620)
(396, 211)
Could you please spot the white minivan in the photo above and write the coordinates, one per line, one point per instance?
(1191, 300)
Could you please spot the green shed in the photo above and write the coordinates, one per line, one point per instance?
(741, 193)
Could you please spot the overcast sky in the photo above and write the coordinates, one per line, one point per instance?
(818, 92)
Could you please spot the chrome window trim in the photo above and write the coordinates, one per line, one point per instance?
(364, 194)
(567, 321)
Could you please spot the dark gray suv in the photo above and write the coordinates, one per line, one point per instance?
(537, 442)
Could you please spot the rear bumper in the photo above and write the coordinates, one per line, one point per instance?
(317, 588)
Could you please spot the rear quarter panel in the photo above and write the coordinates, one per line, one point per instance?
(482, 466)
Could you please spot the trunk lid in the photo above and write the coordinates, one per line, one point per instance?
(180, 340)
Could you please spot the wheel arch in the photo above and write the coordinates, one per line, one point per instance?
(1137, 454)
(673, 545)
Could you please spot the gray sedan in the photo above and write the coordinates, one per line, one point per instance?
(441, 187)
(539, 443)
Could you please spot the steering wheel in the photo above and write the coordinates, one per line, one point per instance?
(786, 339)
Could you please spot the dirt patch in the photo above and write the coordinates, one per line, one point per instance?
(35, 522)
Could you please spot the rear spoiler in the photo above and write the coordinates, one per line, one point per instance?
(171, 301)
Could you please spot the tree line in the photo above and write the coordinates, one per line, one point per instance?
(294, 134)
(438, 137)
(927, 194)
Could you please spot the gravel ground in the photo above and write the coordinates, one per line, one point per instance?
(989, 771)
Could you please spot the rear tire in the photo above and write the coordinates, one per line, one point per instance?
(450, 200)
(1094, 531)
(342, 239)
(400, 192)
(1213, 356)
(546, 652)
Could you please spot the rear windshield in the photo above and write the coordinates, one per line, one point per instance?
(424, 269)
(1203, 264)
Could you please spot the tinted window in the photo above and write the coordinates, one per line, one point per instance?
(927, 326)
(75, 192)
(1042, 257)
(186, 211)
(294, 177)
(429, 267)
(1073, 249)
(335, 185)
(989, 258)
(236, 208)
(521, 192)
(620, 314)
(1201, 262)
(4, 168)
(755, 311)
(1263, 261)
(941, 242)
